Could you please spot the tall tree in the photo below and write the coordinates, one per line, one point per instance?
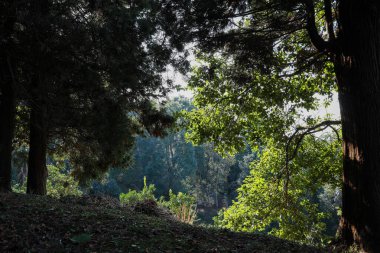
(7, 92)
(38, 123)
(89, 71)
(343, 32)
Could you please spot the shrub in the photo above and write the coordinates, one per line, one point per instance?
(133, 197)
(60, 183)
(182, 205)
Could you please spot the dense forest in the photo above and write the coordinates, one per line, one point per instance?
(87, 113)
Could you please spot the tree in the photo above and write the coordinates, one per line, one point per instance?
(7, 93)
(252, 32)
(88, 72)
(262, 205)
(164, 161)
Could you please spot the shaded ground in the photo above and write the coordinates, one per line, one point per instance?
(44, 224)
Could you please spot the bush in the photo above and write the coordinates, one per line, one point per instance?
(61, 184)
(133, 197)
(182, 205)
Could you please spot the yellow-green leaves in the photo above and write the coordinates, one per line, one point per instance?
(295, 213)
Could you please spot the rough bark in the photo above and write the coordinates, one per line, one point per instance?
(357, 66)
(7, 119)
(7, 102)
(37, 171)
(38, 125)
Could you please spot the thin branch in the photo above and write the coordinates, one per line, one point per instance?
(336, 132)
(307, 130)
(314, 59)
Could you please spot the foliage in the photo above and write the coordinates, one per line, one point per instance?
(81, 238)
(172, 163)
(183, 206)
(311, 34)
(209, 183)
(285, 203)
(95, 79)
(133, 197)
(265, 107)
(236, 106)
(60, 182)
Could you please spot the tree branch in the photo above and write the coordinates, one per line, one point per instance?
(329, 20)
(308, 130)
(318, 42)
(304, 131)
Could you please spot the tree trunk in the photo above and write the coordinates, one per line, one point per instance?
(7, 119)
(357, 67)
(38, 138)
(37, 171)
(7, 102)
(171, 166)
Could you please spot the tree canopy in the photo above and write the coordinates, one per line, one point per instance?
(86, 76)
(308, 36)
(83, 78)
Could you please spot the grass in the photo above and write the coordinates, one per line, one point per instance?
(43, 224)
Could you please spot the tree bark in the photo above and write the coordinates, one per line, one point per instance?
(7, 122)
(38, 124)
(357, 67)
(7, 101)
(37, 171)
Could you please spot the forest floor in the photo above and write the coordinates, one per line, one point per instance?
(44, 224)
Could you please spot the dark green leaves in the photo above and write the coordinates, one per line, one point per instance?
(81, 238)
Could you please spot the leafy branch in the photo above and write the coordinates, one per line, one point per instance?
(298, 136)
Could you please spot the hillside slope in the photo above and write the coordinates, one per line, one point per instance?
(44, 224)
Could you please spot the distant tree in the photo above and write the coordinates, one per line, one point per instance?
(209, 180)
(172, 163)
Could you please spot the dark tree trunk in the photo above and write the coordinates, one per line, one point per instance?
(7, 119)
(7, 102)
(358, 72)
(38, 127)
(37, 171)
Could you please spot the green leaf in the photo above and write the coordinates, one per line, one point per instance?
(81, 238)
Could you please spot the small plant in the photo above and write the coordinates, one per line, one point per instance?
(182, 205)
(133, 197)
